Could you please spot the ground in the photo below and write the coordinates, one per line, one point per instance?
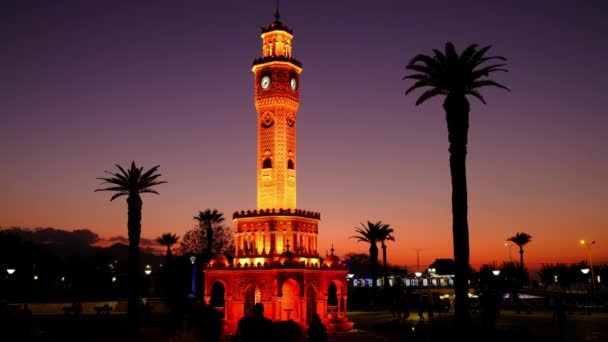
(370, 326)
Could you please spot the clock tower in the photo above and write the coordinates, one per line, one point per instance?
(275, 261)
(277, 97)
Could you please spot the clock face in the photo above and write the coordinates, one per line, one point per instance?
(265, 83)
(294, 84)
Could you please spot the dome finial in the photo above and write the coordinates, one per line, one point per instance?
(332, 248)
(276, 13)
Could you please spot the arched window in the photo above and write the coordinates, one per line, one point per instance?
(290, 164)
(267, 164)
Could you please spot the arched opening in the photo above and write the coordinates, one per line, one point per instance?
(311, 303)
(252, 297)
(267, 163)
(290, 299)
(332, 295)
(217, 297)
(290, 164)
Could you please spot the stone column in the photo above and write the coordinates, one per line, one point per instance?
(345, 311)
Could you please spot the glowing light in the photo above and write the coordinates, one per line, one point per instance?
(496, 272)
(418, 274)
(35, 277)
(148, 270)
(10, 270)
(585, 270)
(113, 279)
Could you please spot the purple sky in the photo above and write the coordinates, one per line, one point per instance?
(86, 84)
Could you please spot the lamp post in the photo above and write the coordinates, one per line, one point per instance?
(588, 245)
(496, 272)
(193, 261)
(510, 255)
(585, 271)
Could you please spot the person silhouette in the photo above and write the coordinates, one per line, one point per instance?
(255, 328)
(317, 332)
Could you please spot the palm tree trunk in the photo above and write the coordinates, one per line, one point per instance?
(373, 254)
(521, 258)
(384, 271)
(209, 240)
(134, 205)
(457, 115)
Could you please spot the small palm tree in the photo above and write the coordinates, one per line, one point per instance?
(385, 235)
(132, 183)
(370, 233)
(168, 240)
(456, 77)
(520, 239)
(206, 220)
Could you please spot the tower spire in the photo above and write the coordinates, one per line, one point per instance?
(276, 13)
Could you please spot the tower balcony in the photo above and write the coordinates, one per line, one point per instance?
(276, 212)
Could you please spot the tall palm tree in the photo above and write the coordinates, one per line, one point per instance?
(168, 240)
(385, 235)
(520, 239)
(132, 183)
(206, 220)
(370, 233)
(455, 77)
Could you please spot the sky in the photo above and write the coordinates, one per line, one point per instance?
(87, 84)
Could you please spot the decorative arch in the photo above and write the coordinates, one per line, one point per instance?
(290, 299)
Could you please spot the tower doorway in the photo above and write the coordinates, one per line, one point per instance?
(252, 297)
(290, 302)
(217, 297)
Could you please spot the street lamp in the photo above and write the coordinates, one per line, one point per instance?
(510, 245)
(10, 270)
(588, 245)
(585, 272)
(496, 272)
(148, 270)
(193, 261)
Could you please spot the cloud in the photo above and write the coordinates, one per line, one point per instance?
(55, 236)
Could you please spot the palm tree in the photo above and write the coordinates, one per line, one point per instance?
(456, 76)
(206, 220)
(520, 239)
(132, 183)
(168, 240)
(370, 233)
(385, 235)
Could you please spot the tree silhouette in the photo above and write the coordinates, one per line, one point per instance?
(168, 240)
(455, 77)
(132, 183)
(520, 239)
(370, 233)
(206, 219)
(385, 235)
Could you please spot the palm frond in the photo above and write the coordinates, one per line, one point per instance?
(428, 94)
(476, 94)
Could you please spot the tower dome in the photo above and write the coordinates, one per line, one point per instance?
(332, 260)
(219, 260)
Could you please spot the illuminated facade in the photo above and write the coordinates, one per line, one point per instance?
(276, 260)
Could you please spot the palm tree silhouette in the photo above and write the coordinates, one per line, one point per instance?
(370, 233)
(168, 240)
(455, 77)
(132, 183)
(520, 239)
(385, 235)
(206, 219)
